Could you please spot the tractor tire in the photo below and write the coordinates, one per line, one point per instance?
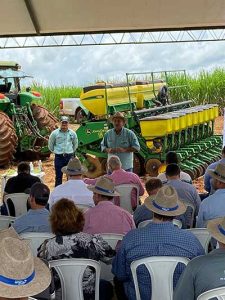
(138, 166)
(80, 116)
(44, 119)
(152, 167)
(94, 167)
(8, 140)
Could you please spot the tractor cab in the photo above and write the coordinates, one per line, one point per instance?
(10, 83)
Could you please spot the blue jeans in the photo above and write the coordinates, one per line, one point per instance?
(61, 161)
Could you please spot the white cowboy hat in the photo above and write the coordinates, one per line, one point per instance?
(74, 167)
(218, 173)
(21, 274)
(166, 202)
(217, 229)
(104, 186)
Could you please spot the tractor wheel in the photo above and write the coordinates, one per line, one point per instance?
(152, 167)
(44, 119)
(8, 139)
(138, 166)
(80, 116)
(94, 167)
(192, 173)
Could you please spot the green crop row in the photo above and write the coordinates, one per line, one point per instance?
(202, 87)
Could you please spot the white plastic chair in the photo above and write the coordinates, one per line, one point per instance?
(83, 207)
(203, 236)
(19, 201)
(112, 239)
(36, 239)
(125, 191)
(218, 293)
(5, 221)
(161, 269)
(71, 273)
(176, 222)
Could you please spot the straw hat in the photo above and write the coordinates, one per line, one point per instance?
(118, 115)
(217, 229)
(166, 202)
(74, 167)
(104, 186)
(218, 173)
(21, 274)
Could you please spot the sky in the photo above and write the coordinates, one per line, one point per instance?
(84, 65)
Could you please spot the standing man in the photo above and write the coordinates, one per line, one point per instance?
(121, 142)
(63, 143)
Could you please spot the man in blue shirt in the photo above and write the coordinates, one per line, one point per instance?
(213, 206)
(207, 177)
(37, 218)
(63, 143)
(142, 213)
(159, 238)
(121, 142)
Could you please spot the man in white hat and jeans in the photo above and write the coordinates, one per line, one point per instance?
(213, 206)
(159, 238)
(121, 141)
(21, 274)
(63, 143)
(74, 189)
(106, 217)
(206, 272)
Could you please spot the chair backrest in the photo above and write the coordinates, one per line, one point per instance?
(112, 238)
(144, 223)
(36, 239)
(191, 206)
(176, 222)
(5, 221)
(125, 191)
(161, 269)
(218, 293)
(83, 207)
(203, 236)
(106, 269)
(71, 273)
(19, 201)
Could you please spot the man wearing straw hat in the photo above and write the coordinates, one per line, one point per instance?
(74, 189)
(213, 206)
(121, 142)
(159, 238)
(21, 274)
(106, 217)
(205, 272)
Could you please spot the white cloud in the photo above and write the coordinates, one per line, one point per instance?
(84, 65)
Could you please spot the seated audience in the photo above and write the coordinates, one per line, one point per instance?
(142, 213)
(158, 238)
(207, 178)
(213, 206)
(21, 182)
(205, 272)
(37, 218)
(22, 274)
(67, 223)
(74, 189)
(119, 176)
(106, 217)
(172, 158)
(187, 192)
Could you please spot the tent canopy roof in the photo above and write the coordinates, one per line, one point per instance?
(52, 17)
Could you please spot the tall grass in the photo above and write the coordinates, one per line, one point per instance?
(202, 87)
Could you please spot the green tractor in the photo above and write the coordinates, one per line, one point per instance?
(24, 125)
